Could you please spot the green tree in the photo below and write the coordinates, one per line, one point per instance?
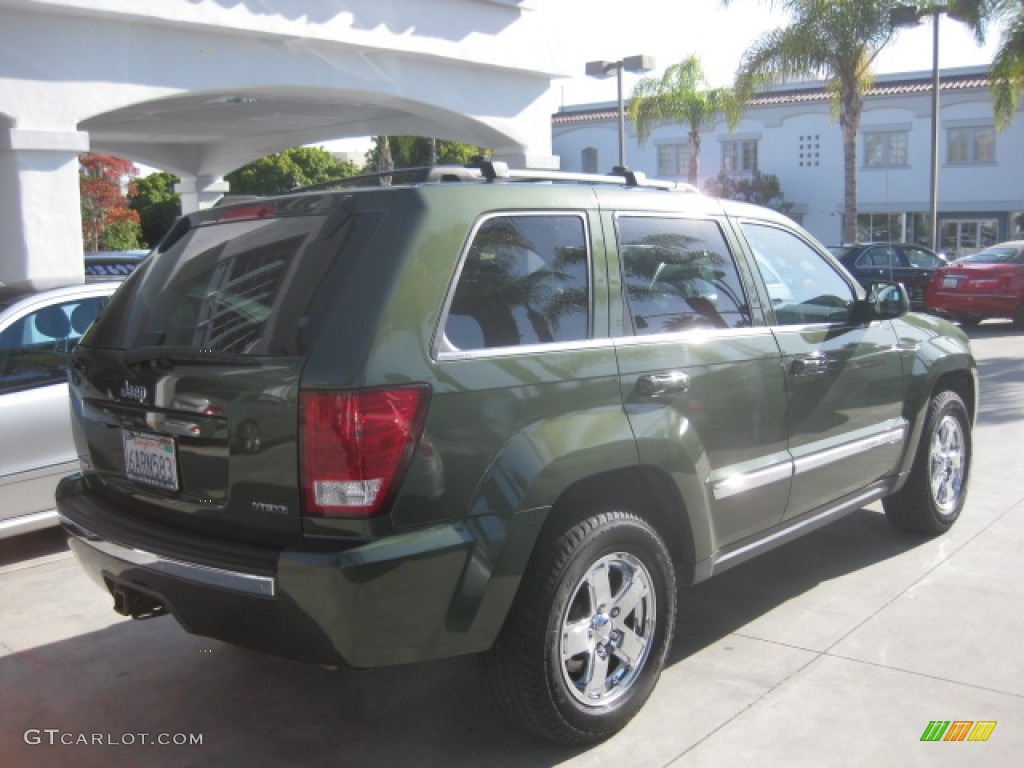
(838, 40)
(121, 235)
(157, 204)
(296, 167)
(681, 96)
(759, 188)
(418, 151)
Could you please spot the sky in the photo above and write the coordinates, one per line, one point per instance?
(671, 30)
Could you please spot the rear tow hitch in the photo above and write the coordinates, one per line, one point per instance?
(128, 602)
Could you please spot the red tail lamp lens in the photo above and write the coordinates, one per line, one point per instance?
(355, 445)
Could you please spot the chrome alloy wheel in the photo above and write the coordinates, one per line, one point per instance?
(607, 630)
(947, 464)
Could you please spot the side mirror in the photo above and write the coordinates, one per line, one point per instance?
(884, 301)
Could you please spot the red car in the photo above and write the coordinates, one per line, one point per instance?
(989, 283)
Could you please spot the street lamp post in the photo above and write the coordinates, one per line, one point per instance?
(604, 69)
(910, 16)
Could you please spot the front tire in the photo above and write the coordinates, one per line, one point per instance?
(587, 636)
(935, 492)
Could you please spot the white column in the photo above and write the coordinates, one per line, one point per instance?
(199, 192)
(40, 208)
(532, 129)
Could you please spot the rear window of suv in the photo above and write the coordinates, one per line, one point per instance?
(239, 285)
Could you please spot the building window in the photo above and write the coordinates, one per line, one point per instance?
(975, 145)
(967, 236)
(1017, 225)
(674, 160)
(739, 156)
(881, 227)
(885, 149)
(589, 160)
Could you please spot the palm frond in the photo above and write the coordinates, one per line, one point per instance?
(1008, 71)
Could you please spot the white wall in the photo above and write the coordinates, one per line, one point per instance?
(817, 190)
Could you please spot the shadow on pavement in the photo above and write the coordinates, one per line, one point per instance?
(29, 546)
(250, 709)
(716, 608)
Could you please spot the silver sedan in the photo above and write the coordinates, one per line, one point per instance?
(38, 330)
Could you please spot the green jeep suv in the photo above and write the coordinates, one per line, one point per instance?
(496, 412)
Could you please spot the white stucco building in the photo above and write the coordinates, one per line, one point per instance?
(200, 87)
(790, 132)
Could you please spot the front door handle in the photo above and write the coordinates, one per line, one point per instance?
(809, 366)
(654, 384)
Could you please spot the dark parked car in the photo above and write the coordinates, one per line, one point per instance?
(112, 265)
(911, 265)
(498, 412)
(986, 284)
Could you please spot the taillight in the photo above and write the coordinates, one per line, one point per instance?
(356, 445)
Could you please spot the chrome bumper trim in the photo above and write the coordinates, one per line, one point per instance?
(264, 586)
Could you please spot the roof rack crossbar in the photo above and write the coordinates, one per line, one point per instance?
(495, 171)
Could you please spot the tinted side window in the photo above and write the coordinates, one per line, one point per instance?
(679, 275)
(922, 259)
(803, 287)
(879, 256)
(34, 348)
(524, 281)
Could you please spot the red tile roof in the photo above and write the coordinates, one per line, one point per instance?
(795, 94)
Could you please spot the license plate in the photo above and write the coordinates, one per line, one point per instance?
(151, 460)
(950, 282)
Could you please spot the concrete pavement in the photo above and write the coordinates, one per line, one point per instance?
(835, 650)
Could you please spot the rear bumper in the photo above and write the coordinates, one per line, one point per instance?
(961, 304)
(409, 597)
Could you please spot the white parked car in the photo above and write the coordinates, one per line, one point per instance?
(38, 330)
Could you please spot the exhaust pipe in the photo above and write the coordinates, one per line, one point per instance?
(128, 602)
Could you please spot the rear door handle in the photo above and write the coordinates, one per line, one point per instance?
(654, 384)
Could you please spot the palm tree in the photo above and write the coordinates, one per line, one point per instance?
(837, 40)
(1008, 64)
(681, 96)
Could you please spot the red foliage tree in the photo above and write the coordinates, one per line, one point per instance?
(103, 188)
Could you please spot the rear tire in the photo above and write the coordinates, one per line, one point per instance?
(587, 635)
(969, 321)
(935, 492)
(1018, 317)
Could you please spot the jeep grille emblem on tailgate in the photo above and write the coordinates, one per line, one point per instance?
(131, 391)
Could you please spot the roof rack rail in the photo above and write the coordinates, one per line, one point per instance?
(415, 175)
(482, 169)
(494, 170)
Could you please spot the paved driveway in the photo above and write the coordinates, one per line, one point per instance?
(835, 650)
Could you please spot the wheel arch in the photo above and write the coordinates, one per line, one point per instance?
(962, 381)
(645, 490)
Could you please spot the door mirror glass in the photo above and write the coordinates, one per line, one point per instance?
(884, 301)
